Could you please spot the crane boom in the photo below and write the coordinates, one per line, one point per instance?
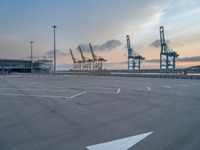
(86, 61)
(81, 52)
(128, 42)
(162, 36)
(164, 47)
(76, 63)
(73, 58)
(91, 49)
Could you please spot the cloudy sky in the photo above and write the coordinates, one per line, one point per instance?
(104, 23)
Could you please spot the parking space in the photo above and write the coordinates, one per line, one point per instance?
(50, 89)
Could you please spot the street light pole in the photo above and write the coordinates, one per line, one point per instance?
(54, 29)
(31, 56)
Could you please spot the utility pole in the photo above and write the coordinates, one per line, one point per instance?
(54, 29)
(31, 56)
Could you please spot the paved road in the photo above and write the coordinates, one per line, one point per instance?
(71, 112)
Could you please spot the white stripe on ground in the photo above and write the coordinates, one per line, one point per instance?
(28, 83)
(53, 96)
(56, 86)
(77, 94)
(184, 85)
(148, 88)
(110, 92)
(120, 144)
(43, 96)
(61, 90)
(30, 95)
(118, 91)
(166, 86)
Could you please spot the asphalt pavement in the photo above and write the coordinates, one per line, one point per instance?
(77, 112)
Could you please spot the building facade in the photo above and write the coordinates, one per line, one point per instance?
(25, 66)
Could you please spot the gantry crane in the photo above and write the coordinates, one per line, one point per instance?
(134, 59)
(76, 63)
(167, 55)
(87, 62)
(97, 61)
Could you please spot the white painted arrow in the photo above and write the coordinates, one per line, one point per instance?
(120, 144)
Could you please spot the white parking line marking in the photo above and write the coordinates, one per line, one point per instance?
(43, 96)
(166, 86)
(77, 94)
(28, 83)
(120, 144)
(53, 96)
(57, 86)
(103, 88)
(30, 95)
(61, 90)
(148, 88)
(111, 92)
(184, 85)
(118, 91)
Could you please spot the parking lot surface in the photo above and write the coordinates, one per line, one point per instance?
(80, 112)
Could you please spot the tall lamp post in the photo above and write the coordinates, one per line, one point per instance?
(31, 56)
(54, 29)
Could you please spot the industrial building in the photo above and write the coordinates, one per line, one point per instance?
(25, 66)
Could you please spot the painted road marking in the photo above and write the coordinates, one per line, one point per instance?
(52, 96)
(49, 90)
(111, 92)
(148, 88)
(184, 85)
(28, 83)
(118, 91)
(77, 94)
(30, 95)
(43, 96)
(55, 87)
(166, 86)
(120, 144)
(103, 88)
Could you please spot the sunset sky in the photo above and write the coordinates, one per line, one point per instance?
(104, 23)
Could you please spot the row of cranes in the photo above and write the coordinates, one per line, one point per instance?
(96, 63)
(167, 56)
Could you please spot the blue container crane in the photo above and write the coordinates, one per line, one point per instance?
(167, 55)
(134, 59)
